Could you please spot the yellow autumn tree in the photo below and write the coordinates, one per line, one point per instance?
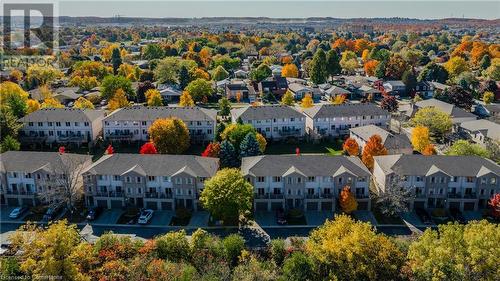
(287, 98)
(307, 101)
(51, 102)
(290, 71)
(153, 97)
(262, 142)
(119, 100)
(338, 99)
(420, 138)
(348, 203)
(33, 105)
(83, 103)
(186, 99)
(169, 135)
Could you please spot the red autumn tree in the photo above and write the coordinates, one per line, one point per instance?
(148, 148)
(62, 149)
(212, 150)
(110, 150)
(351, 147)
(495, 205)
(389, 103)
(373, 147)
(347, 200)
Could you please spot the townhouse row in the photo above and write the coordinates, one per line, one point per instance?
(308, 182)
(67, 125)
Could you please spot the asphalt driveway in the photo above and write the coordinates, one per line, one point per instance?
(161, 218)
(110, 216)
(315, 218)
(265, 219)
(5, 212)
(199, 219)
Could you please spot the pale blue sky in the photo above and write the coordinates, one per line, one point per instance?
(421, 9)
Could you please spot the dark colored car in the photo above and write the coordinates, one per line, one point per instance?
(423, 215)
(280, 216)
(456, 215)
(94, 213)
(51, 214)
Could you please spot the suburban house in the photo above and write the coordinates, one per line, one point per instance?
(395, 143)
(61, 125)
(158, 182)
(395, 87)
(457, 114)
(427, 89)
(300, 91)
(132, 123)
(329, 120)
(307, 182)
(240, 88)
(481, 131)
(440, 181)
(334, 91)
(24, 175)
(365, 91)
(274, 85)
(272, 121)
(169, 93)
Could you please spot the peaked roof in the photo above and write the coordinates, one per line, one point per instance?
(390, 140)
(32, 161)
(420, 165)
(63, 115)
(452, 110)
(488, 128)
(346, 109)
(265, 112)
(146, 113)
(154, 165)
(307, 165)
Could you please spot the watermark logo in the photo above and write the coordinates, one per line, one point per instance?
(29, 33)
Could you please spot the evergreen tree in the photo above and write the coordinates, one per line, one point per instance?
(184, 77)
(485, 62)
(227, 155)
(380, 70)
(116, 60)
(318, 71)
(249, 146)
(410, 81)
(332, 63)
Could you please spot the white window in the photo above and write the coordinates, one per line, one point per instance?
(260, 179)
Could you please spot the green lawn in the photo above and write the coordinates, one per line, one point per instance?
(322, 147)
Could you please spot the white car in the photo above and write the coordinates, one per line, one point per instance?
(17, 212)
(145, 216)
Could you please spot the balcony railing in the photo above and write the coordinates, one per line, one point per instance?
(362, 196)
(326, 195)
(312, 196)
(120, 136)
(18, 192)
(109, 194)
(71, 137)
(470, 196)
(289, 132)
(276, 196)
(454, 195)
(32, 138)
(159, 195)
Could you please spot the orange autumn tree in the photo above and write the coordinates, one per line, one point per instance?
(351, 147)
(429, 150)
(370, 67)
(373, 147)
(290, 71)
(348, 202)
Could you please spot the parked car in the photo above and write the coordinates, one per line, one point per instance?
(456, 215)
(94, 213)
(17, 212)
(145, 216)
(51, 214)
(424, 216)
(280, 216)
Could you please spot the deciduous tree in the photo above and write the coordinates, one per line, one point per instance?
(351, 147)
(169, 135)
(148, 148)
(227, 195)
(290, 70)
(13, 98)
(186, 99)
(307, 101)
(333, 253)
(83, 103)
(420, 138)
(373, 147)
(347, 201)
(110, 84)
(395, 198)
(219, 73)
(51, 103)
(119, 100)
(199, 88)
(33, 105)
(457, 252)
(455, 66)
(494, 204)
(154, 98)
(212, 150)
(389, 103)
(429, 150)
(438, 122)
(287, 98)
(370, 66)
(463, 148)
